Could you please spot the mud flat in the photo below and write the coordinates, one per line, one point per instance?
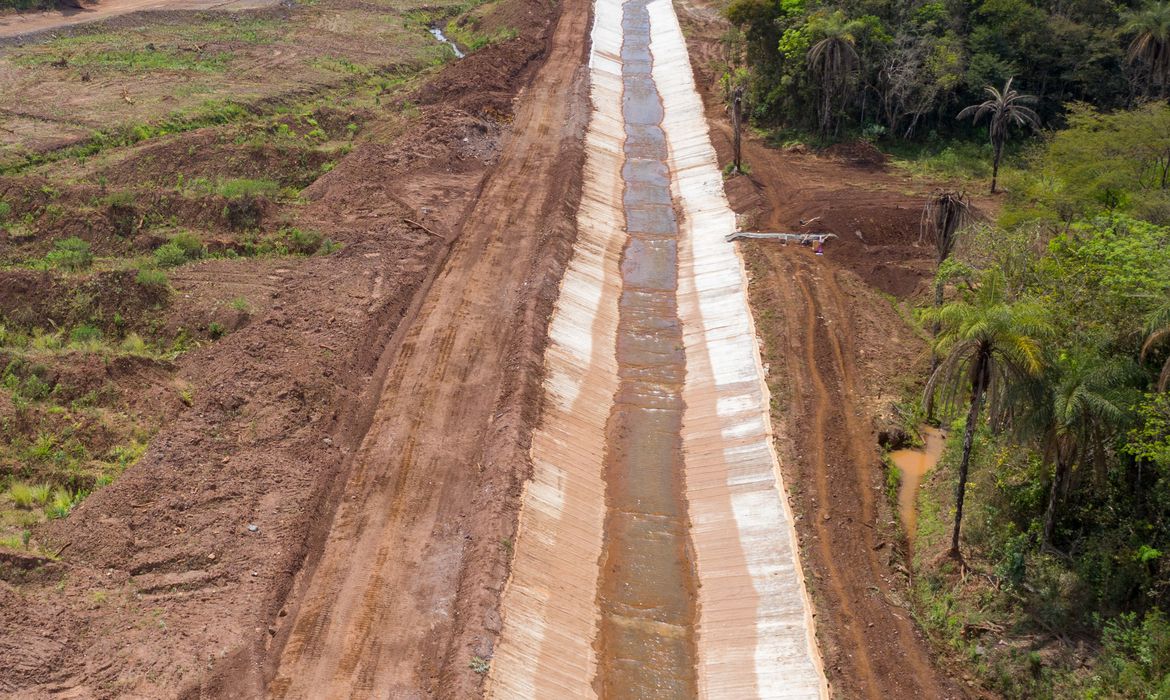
(567, 622)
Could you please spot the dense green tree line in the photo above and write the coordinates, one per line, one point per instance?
(904, 69)
(1053, 339)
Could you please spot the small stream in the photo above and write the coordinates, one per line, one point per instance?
(438, 34)
(912, 465)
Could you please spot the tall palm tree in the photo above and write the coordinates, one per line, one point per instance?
(1159, 332)
(988, 344)
(833, 60)
(1005, 107)
(1077, 408)
(1150, 45)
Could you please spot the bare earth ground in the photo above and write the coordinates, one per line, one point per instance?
(177, 579)
(20, 24)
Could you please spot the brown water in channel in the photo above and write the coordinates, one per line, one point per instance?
(912, 465)
(646, 592)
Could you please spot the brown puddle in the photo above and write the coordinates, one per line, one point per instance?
(646, 591)
(913, 464)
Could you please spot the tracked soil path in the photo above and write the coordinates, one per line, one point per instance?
(874, 649)
(24, 23)
(378, 613)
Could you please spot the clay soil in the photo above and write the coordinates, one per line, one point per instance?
(840, 353)
(189, 575)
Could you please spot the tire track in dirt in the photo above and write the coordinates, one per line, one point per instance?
(802, 332)
(874, 648)
(382, 609)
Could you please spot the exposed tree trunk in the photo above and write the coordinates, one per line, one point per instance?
(934, 329)
(1063, 469)
(995, 166)
(736, 116)
(978, 386)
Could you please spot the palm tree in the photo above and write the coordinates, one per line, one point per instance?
(942, 217)
(833, 60)
(1077, 409)
(988, 344)
(1005, 108)
(1159, 332)
(1150, 45)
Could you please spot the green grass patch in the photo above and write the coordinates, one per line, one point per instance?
(71, 254)
(951, 160)
(467, 37)
(135, 60)
(210, 113)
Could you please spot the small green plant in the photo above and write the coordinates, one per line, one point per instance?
(169, 255)
(479, 664)
(240, 304)
(190, 244)
(128, 454)
(70, 254)
(216, 330)
(243, 187)
(152, 279)
(85, 334)
(6, 208)
(302, 242)
(186, 397)
(28, 496)
(62, 503)
(43, 340)
(133, 344)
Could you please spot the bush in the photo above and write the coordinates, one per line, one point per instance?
(169, 255)
(300, 241)
(152, 279)
(1135, 661)
(70, 254)
(244, 213)
(190, 244)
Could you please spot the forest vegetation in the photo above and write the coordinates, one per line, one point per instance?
(1051, 320)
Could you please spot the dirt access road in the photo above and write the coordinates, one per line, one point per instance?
(32, 22)
(431, 494)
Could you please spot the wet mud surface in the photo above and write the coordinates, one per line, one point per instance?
(647, 589)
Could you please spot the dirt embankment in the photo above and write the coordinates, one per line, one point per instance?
(839, 352)
(175, 580)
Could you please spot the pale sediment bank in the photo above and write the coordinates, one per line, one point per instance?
(755, 628)
(752, 622)
(550, 604)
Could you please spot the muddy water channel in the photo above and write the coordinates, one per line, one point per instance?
(646, 591)
(912, 465)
